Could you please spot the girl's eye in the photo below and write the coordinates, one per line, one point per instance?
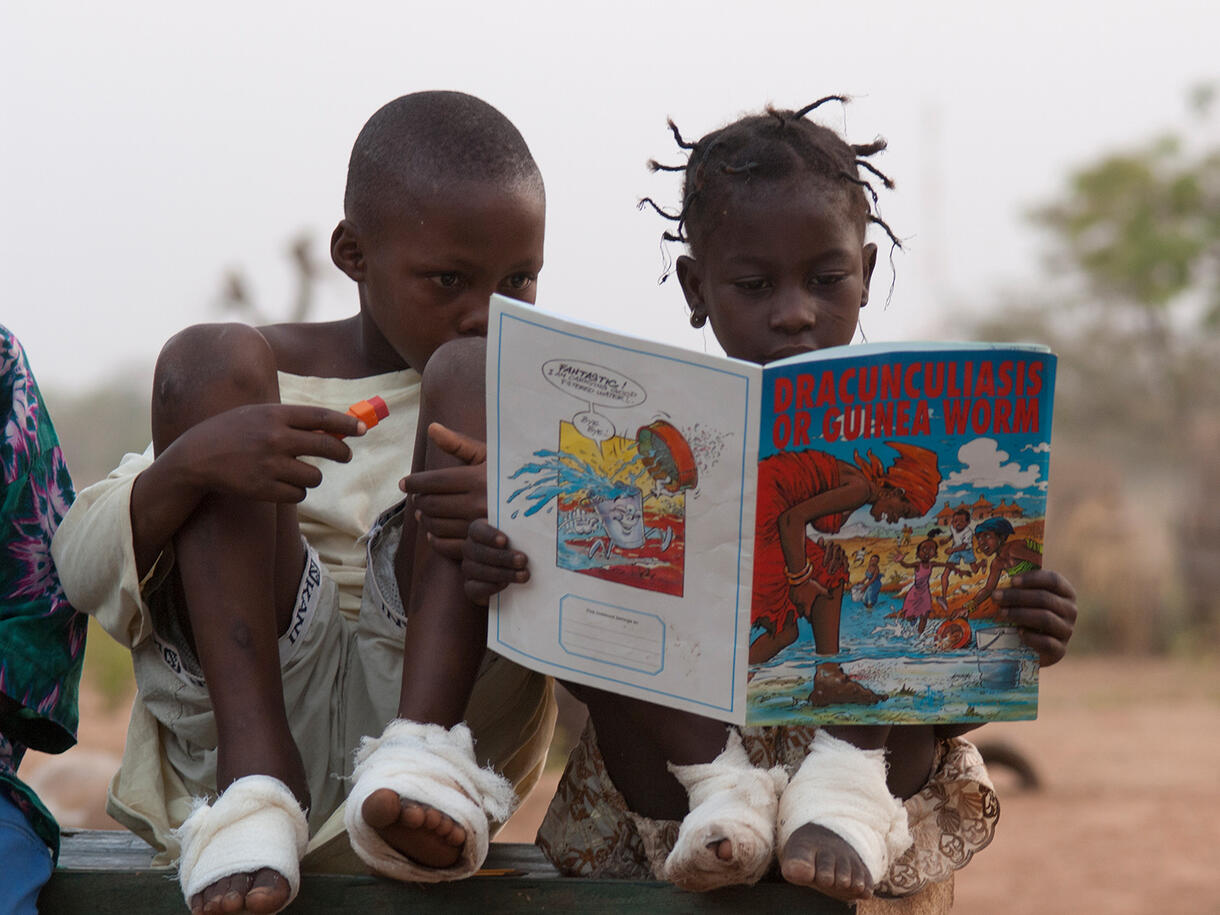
(446, 280)
(520, 281)
(752, 284)
(828, 279)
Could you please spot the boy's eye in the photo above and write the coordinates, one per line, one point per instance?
(520, 281)
(446, 280)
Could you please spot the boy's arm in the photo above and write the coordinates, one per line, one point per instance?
(111, 537)
(93, 554)
(446, 500)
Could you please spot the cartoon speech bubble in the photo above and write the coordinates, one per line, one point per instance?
(594, 383)
(594, 425)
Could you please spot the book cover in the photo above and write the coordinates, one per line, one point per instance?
(812, 541)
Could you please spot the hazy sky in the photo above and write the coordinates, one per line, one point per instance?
(147, 147)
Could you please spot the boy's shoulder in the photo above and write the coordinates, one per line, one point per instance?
(327, 349)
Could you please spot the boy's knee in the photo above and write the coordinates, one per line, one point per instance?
(454, 386)
(211, 367)
(459, 365)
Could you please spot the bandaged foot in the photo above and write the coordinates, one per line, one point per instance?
(445, 799)
(839, 827)
(729, 835)
(255, 829)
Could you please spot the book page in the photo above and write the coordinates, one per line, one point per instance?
(624, 470)
(912, 481)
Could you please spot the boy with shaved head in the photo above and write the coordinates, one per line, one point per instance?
(266, 603)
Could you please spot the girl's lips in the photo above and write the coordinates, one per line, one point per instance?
(795, 349)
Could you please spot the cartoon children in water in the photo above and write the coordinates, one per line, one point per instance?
(1011, 556)
(917, 605)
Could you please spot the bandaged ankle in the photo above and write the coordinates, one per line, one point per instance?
(843, 789)
(256, 823)
(436, 768)
(729, 799)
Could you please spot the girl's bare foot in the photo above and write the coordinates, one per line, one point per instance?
(422, 833)
(818, 858)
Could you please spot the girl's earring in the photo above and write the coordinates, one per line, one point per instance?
(697, 319)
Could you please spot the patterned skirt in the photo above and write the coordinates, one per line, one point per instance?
(588, 830)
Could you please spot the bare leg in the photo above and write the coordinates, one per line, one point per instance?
(813, 855)
(238, 564)
(446, 634)
(638, 740)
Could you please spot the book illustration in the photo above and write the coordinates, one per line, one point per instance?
(907, 626)
(812, 541)
(619, 500)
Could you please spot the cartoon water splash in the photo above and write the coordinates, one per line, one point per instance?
(561, 474)
(706, 444)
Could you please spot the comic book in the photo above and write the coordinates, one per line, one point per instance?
(812, 541)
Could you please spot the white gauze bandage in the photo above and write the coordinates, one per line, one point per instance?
(433, 766)
(256, 823)
(843, 788)
(729, 799)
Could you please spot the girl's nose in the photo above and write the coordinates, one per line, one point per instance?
(793, 313)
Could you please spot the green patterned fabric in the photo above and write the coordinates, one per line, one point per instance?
(42, 638)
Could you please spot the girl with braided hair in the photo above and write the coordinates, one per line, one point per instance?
(774, 215)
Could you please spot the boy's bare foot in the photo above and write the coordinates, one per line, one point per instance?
(257, 822)
(422, 833)
(261, 893)
(818, 858)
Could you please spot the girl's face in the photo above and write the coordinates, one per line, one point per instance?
(781, 268)
(926, 550)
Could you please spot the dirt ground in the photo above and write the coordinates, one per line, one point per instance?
(1126, 821)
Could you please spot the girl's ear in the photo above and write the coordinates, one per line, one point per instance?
(870, 261)
(346, 250)
(691, 281)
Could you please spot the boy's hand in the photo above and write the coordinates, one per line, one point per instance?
(1043, 605)
(447, 500)
(488, 564)
(254, 451)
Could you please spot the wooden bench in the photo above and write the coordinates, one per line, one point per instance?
(103, 872)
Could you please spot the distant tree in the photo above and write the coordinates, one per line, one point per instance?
(1135, 240)
(235, 288)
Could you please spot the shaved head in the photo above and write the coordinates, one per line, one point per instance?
(427, 143)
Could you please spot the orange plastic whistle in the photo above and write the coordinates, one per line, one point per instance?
(370, 412)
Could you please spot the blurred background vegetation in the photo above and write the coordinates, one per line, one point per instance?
(1128, 296)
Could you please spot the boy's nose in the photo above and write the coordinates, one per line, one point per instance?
(474, 322)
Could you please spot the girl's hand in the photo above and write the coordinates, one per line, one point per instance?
(254, 451)
(1043, 604)
(488, 564)
(448, 499)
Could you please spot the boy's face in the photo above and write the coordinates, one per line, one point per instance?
(783, 270)
(429, 272)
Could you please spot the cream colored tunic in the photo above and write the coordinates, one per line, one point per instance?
(94, 554)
